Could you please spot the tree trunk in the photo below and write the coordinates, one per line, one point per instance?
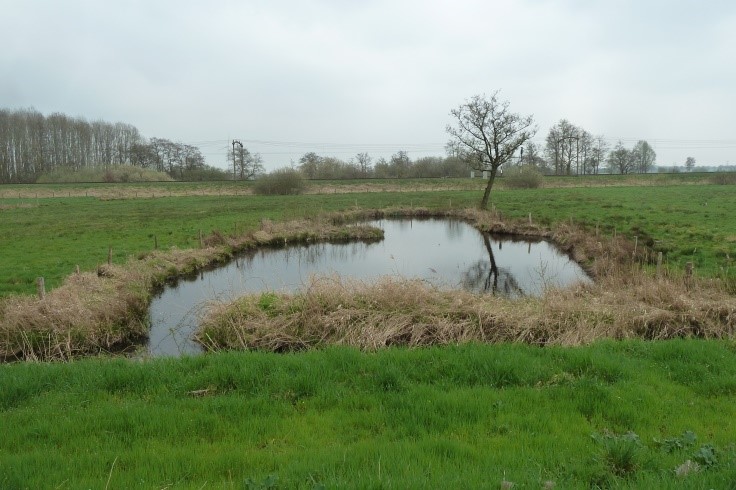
(487, 191)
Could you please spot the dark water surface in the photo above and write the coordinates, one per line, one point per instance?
(445, 252)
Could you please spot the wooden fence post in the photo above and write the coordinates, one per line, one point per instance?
(636, 243)
(40, 288)
(688, 274)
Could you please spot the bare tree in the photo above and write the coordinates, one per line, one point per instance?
(620, 159)
(247, 165)
(400, 164)
(689, 164)
(309, 164)
(598, 153)
(32, 144)
(487, 135)
(644, 156)
(533, 156)
(585, 153)
(364, 163)
(570, 149)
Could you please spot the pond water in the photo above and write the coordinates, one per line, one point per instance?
(447, 253)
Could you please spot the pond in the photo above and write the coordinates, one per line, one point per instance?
(447, 253)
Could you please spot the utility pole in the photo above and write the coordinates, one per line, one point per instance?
(235, 168)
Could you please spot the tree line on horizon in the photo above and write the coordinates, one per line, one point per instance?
(32, 145)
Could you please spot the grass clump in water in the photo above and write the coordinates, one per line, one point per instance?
(395, 311)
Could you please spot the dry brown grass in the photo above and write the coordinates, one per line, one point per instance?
(395, 311)
(88, 314)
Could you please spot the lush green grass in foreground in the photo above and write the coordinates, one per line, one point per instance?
(48, 237)
(454, 417)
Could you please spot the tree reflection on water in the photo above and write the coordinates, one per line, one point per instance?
(486, 277)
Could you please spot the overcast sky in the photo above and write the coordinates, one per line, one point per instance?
(340, 77)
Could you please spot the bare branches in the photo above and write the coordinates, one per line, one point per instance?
(487, 134)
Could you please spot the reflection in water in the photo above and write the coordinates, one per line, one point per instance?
(455, 229)
(486, 277)
(444, 252)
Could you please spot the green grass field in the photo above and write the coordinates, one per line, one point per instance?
(470, 416)
(49, 236)
(627, 414)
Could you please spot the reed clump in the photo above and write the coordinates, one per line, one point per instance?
(398, 311)
(88, 314)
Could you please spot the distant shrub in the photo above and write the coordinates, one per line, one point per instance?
(723, 178)
(280, 182)
(117, 173)
(206, 173)
(524, 177)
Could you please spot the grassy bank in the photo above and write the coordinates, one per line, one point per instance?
(626, 415)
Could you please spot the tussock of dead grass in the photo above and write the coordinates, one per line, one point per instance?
(396, 311)
(88, 314)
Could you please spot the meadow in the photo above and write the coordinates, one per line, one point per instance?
(680, 215)
(630, 414)
(624, 414)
